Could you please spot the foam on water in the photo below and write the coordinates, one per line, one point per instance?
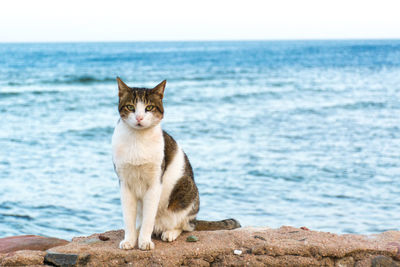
(278, 133)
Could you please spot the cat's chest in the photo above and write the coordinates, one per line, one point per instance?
(136, 149)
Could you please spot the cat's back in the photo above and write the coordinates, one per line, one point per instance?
(179, 188)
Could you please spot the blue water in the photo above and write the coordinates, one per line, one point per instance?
(279, 133)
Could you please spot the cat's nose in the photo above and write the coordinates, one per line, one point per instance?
(139, 118)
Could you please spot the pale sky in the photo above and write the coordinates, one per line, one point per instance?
(122, 20)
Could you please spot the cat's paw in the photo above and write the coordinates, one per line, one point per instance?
(127, 244)
(170, 235)
(146, 245)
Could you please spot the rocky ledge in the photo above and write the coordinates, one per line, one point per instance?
(286, 246)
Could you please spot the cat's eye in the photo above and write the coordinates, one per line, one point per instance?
(149, 108)
(130, 107)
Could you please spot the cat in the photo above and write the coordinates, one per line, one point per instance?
(157, 187)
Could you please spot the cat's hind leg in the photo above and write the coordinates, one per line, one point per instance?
(184, 224)
(171, 235)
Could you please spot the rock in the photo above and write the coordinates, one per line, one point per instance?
(383, 261)
(104, 238)
(91, 241)
(196, 262)
(345, 262)
(192, 238)
(237, 252)
(396, 244)
(61, 259)
(23, 258)
(286, 246)
(29, 242)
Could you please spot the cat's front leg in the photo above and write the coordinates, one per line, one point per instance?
(129, 210)
(150, 206)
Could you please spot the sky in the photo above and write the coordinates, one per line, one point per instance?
(150, 20)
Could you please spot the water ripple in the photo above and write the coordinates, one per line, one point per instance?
(278, 133)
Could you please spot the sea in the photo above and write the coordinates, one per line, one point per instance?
(299, 133)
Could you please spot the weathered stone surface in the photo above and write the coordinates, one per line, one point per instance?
(345, 262)
(396, 244)
(286, 246)
(383, 261)
(61, 259)
(29, 242)
(22, 258)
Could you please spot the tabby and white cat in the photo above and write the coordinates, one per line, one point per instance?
(158, 192)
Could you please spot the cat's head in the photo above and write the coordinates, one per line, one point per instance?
(141, 108)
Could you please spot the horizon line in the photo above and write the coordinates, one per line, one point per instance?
(205, 40)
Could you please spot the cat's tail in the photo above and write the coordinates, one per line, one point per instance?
(227, 224)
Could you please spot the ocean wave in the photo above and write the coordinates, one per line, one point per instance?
(33, 92)
(67, 79)
(91, 132)
(83, 79)
(361, 105)
(9, 94)
(245, 95)
(18, 216)
(54, 209)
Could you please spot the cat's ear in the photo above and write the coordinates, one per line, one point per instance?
(122, 87)
(159, 89)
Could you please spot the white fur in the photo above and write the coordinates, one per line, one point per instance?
(138, 155)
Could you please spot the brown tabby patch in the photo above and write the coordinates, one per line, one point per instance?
(185, 190)
(170, 149)
(132, 95)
